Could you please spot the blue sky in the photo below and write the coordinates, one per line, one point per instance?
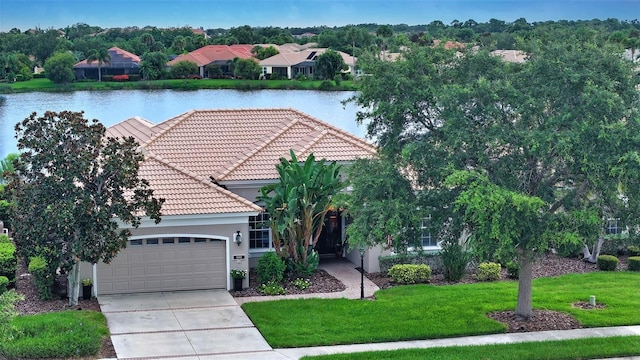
(25, 14)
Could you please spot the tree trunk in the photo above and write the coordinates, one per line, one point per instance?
(588, 256)
(74, 284)
(524, 309)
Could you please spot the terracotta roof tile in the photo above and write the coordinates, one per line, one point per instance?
(230, 145)
(187, 193)
(141, 129)
(210, 53)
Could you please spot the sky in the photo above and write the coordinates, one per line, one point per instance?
(208, 14)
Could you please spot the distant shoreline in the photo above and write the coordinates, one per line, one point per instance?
(45, 85)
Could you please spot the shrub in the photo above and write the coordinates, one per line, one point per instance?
(272, 288)
(454, 260)
(633, 250)
(338, 79)
(7, 313)
(410, 273)
(4, 239)
(513, 270)
(4, 284)
(42, 277)
(488, 271)
(8, 260)
(134, 77)
(123, 77)
(326, 85)
(607, 262)
(107, 77)
(432, 259)
(297, 269)
(270, 268)
(301, 283)
(42, 75)
(634, 263)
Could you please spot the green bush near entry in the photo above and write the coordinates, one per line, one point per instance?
(410, 273)
(634, 263)
(41, 276)
(270, 268)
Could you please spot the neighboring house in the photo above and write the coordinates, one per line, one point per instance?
(514, 56)
(122, 62)
(209, 165)
(303, 62)
(221, 55)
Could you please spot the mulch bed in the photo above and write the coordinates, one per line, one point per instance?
(321, 282)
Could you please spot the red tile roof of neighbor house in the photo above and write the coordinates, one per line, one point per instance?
(230, 145)
(118, 56)
(210, 53)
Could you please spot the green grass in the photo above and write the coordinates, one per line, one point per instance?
(62, 334)
(429, 312)
(590, 348)
(176, 84)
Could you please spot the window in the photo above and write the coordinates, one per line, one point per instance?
(259, 232)
(199, 240)
(614, 227)
(136, 242)
(184, 240)
(152, 241)
(428, 240)
(168, 240)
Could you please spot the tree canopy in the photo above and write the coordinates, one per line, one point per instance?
(328, 64)
(561, 127)
(71, 186)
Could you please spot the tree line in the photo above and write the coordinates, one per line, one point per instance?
(21, 50)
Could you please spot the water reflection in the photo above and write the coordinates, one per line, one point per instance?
(111, 107)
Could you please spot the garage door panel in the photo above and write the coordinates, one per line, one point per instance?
(166, 267)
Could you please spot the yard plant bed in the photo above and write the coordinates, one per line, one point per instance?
(32, 305)
(321, 282)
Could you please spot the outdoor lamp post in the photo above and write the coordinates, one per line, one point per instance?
(361, 249)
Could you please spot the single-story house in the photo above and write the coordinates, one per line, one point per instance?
(220, 55)
(209, 165)
(301, 62)
(122, 62)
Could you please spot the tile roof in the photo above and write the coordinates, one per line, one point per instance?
(230, 145)
(187, 193)
(295, 58)
(119, 59)
(210, 53)
(514, 56)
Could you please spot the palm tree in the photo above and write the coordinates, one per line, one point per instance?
(102, 56)
(147, 39)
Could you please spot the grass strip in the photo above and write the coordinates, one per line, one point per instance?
(64, 334)
(589, 348)
(418, 312)
(175, 84)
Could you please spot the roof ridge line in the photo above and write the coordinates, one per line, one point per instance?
(314, 141)
(346, 134)
(240, 160)
(180, 118)
(201, 179)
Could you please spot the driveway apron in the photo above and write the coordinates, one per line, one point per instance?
(183, 324)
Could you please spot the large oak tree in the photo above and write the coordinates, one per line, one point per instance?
(560, 131)
(71, 188)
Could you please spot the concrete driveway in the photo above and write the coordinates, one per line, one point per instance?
(184, 325)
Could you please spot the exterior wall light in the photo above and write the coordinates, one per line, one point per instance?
(237, 238)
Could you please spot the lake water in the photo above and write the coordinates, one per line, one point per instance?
(111, 107)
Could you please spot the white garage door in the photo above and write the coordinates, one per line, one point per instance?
(165, 264)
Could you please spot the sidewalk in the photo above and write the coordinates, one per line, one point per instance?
(297, 353)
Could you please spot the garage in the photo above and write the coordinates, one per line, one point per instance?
(165, 263)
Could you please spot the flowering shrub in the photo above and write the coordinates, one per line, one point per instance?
(124, 77)
(301, 283)
(238, 274)
(272, 288)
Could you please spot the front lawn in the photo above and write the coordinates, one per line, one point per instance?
(428, 312)
(64, 334)
(590, 348)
